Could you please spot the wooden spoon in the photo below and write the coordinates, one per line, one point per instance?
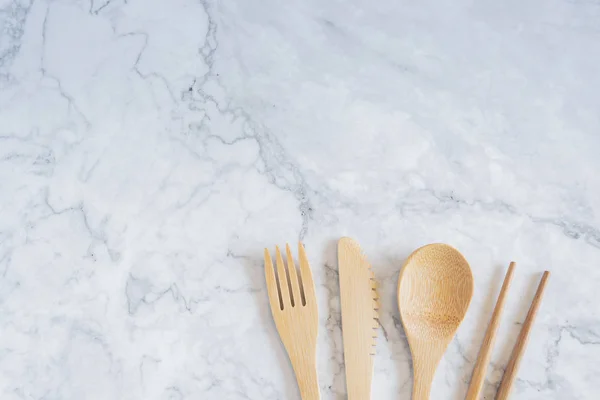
(434, 291)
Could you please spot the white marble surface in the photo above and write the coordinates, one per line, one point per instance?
(150, 150)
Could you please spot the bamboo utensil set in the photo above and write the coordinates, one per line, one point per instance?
(434, 291)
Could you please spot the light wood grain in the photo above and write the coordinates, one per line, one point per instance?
(359, 302)
(488, 341)
(296, 319)
(512, 367)
(434, 292)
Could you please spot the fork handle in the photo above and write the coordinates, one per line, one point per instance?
(306, 375)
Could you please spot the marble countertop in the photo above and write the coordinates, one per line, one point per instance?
(150, 150)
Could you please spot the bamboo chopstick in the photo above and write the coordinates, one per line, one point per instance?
(515, 359)
(488, 341)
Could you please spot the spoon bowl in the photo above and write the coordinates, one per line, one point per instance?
(434, 292)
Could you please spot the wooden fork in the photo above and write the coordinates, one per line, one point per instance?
(294, 308)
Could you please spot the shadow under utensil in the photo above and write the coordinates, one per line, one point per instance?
(255, 270)
(485, 314)
(331, 279)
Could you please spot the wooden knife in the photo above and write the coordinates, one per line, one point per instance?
(358, 294)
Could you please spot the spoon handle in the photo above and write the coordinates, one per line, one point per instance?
(515, 359)
(422, 382)
(429, 355)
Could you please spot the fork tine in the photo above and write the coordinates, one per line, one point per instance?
(306, 274)
(283, 280)
(272, 290)
(296, 298)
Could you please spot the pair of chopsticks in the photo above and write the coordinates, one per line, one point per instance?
(485, 352)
